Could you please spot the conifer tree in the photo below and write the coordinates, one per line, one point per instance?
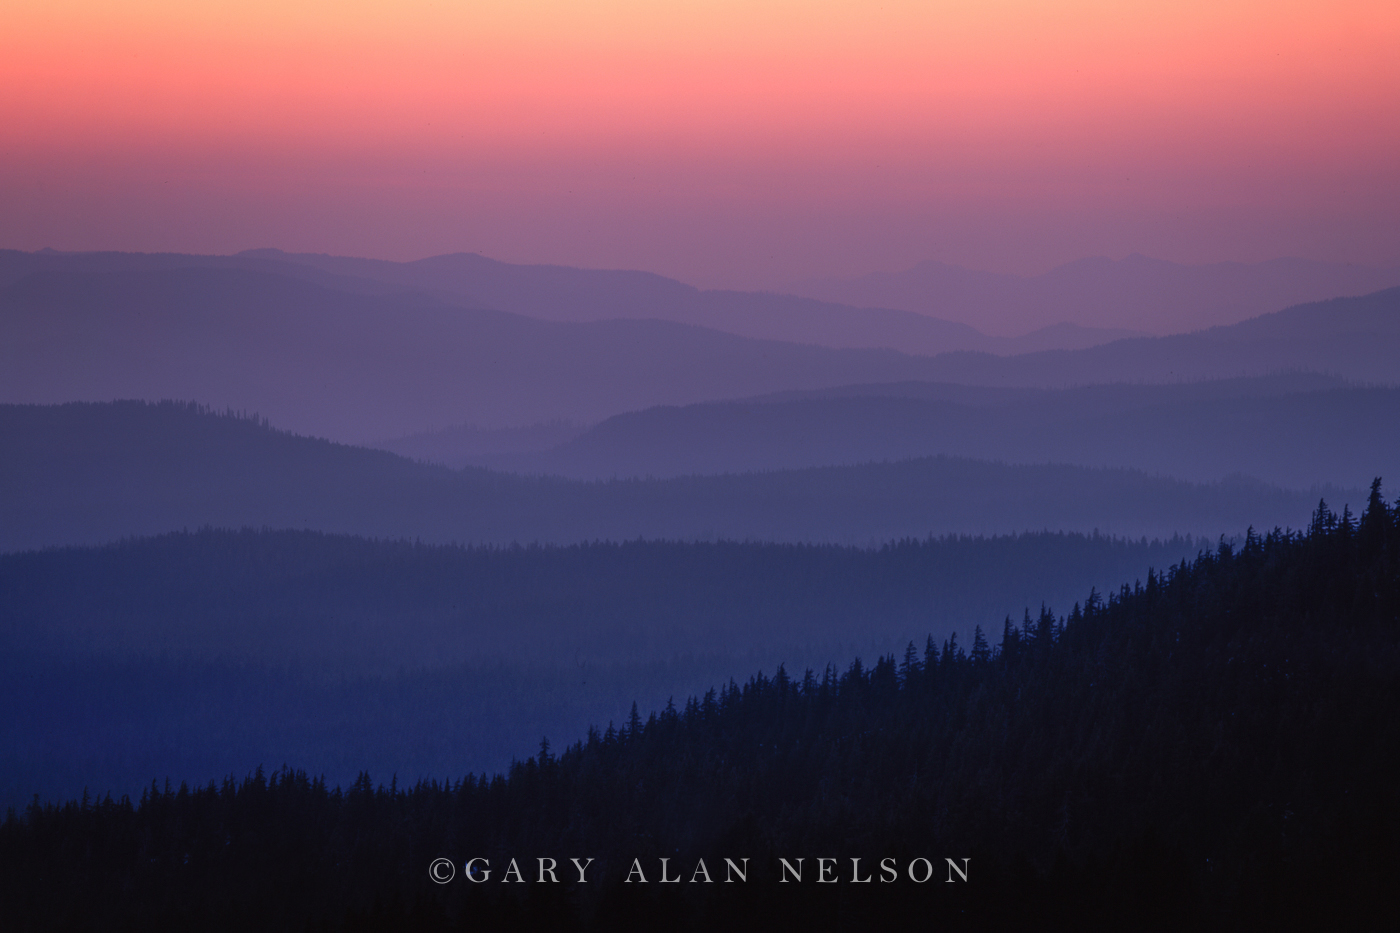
(981, 651)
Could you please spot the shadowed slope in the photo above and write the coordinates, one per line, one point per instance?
(1211, 750)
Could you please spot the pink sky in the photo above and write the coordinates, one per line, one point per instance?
(724, 143)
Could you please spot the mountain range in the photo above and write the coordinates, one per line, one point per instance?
(87, 473)
(1153, 295)
(569, 295)
(358, 359)
(1297, 430)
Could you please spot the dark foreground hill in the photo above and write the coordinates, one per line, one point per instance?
(88, 473)
(197, 655)
(1213, 749)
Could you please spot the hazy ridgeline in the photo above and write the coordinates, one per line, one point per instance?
(362, 359)
(89, 473)
(356, 366)
(925, 310)
(1295, 430)
(1138, 291)
(198, 655)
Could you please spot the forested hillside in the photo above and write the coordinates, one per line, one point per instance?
(356, 605)
(194, 654)
(1213, 747)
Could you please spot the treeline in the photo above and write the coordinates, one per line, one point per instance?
(1214, 746)
(198, 654)
(350, 604)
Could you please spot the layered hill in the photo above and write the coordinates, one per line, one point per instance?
(561, 293)
(199, 654)
(1356, 338)
(1294, 430)
(1156, 296)
(356, 366)
(88, 473)
(351, 359)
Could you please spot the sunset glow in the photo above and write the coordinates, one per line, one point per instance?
(721, 142)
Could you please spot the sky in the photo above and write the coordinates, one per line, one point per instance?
(729, 143)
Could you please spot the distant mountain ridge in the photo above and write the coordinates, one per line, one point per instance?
(569, 295)
(90, 473)
(468, 445)
(359, 366)
(359, 360)
(1156, 296)
(1296, 431)
(562, 293)
(1354, 338)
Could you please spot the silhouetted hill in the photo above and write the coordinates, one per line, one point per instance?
(88, 473)
(1148, 294)
(1213, 749)
(1296, 431)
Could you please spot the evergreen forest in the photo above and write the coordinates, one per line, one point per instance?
(1214, 746)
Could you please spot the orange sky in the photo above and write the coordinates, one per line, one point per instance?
(740, 143)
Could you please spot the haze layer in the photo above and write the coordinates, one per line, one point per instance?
(724, 143)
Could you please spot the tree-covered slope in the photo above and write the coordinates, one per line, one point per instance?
(1213, 748)
(193, 655)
